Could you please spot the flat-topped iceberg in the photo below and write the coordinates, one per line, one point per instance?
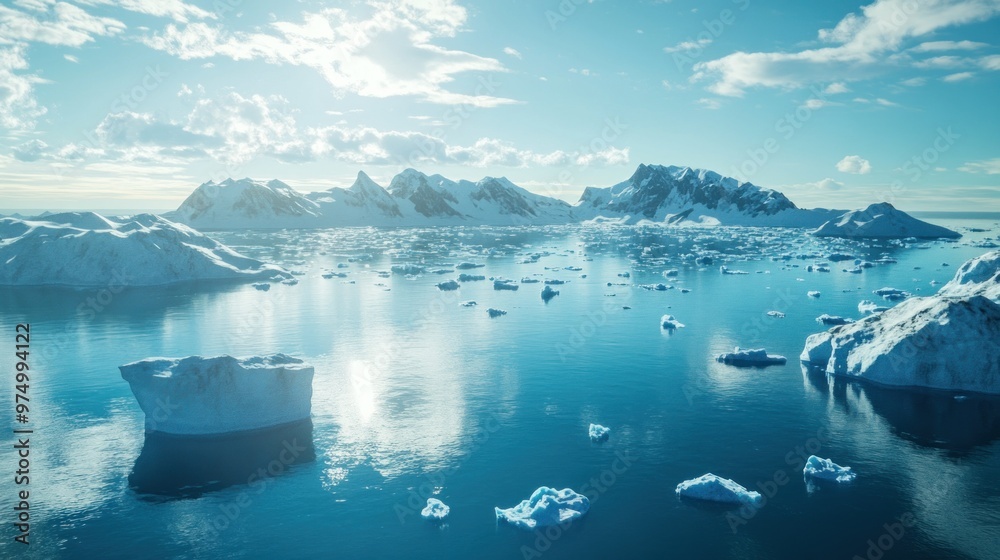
(750, 358)
(712, 488)
(435, 510)
(544, 508)
(202, 396)
(825, 469)
(87, 249)
(882, 221)
(669, 323)
(946, 341)
(599, 433)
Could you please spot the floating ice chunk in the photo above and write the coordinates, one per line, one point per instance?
(468, 265)
(262, 286)
(470, 277)
(725, 270)
(892, 294)
(855, 270)
(599, 432)
(670, 273)
(668, 322)
(290, 282)
(505, 285)
(435, 510)
(826, 469)
(407, 269)
(624, 275)
(469, 303)
(448, 286)
(221, 394)
(705, 261)
(555, 282)
(814, 294)
(750, 358)
(527, 280)
(573, 268)
(837, 257)
(713, 488)
(833, 320)
(494, 313)
(548, 293)
(776, 314)
(544, 508)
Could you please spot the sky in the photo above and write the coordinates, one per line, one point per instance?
(115, 104)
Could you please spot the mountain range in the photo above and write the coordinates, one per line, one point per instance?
(656, 193)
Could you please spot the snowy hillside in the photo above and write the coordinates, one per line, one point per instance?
(680, 194)
(86, 249)
(246, 203)
(882, 221)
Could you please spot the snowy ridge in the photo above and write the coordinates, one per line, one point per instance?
(86, 249)
(884, 221)
(231, 204)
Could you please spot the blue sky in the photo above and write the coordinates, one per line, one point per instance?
(133, 103)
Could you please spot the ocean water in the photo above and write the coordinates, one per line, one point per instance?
(416, 396)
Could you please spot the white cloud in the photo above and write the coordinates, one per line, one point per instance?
(958, 76)
(856, 165)
(62, 25)
(173, 9)
(392, 53)
(886, 103)
(914, 82)
(18, 107)
(860, 45)
(991, 62)
(71, 58)
(32, 150)
(689, 46)
(815, 103)
(835, 88)
(946, 61)
(709, 103)
(510, 51)
(987, 166)
(933, 46)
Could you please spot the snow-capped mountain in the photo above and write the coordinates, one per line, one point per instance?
(246, 203)
(681, 194)
(882, 220)
(363, 203)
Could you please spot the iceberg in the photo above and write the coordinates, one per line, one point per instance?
(411, 269)
(219, 395)
(448, 286)
(712, 488)
(826, 469)
(436, 510)
(546, 507)
(494, 312)
(833, 320)
(599, 433)
(668, 322)
(505, 285)
(470, 277)
(86, 249)
(469, 303)
(750, 358)
(814, 294)
(869, 307)
(468, 265)
(548, 293)
(882, 221)
(946, 341)
(776, 314)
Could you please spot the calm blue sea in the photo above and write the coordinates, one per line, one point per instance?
(416, 396)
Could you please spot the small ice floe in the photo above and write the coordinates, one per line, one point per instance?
(573, 268)
(435, 510)
(407, 269)
(833, 320)
(499, 284)
(442, 271)
(555, 282)
(725, 270)
(448, 286)
(825, 469)
(855, 270)
(343, 265)
(469, 303)
(892, 294)
(527, 280)
(468, 265)
(290, 282)
(670, 273)
(656, 287)
(669, 323)
(624, 275)
(546, 507)
(750, 358)
(599, 433)
(776, 314)
(868, 307)
(470, 277)
(712, 488)
(494, 313)
(837, 257)
(626, 307)
(262, 286)
(705, 261)
(548, 293)
(814, 294)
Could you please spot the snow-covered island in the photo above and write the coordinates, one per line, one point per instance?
(882, 221)
(946, 341)
(209, 396)
(86, 249)
(544, 508)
